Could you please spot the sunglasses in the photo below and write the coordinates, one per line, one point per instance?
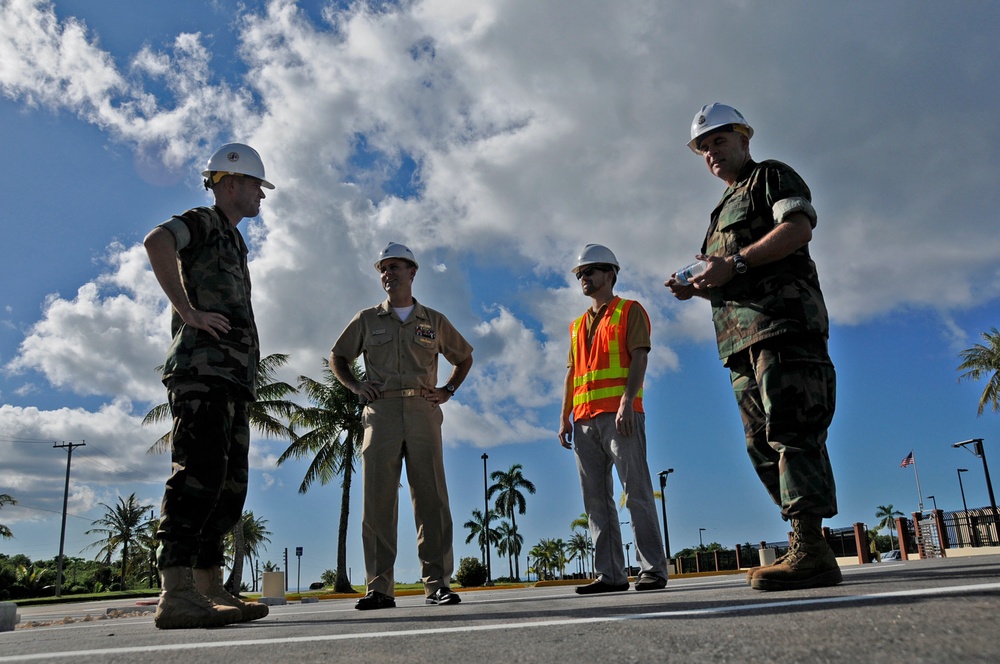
(590, 270)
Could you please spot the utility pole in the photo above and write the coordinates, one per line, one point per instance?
(62, 532)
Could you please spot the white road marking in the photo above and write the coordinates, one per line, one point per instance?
(736, 608)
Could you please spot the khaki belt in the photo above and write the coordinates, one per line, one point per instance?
(400, 394)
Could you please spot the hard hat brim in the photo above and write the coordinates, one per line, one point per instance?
(693, 143)
(264, 183)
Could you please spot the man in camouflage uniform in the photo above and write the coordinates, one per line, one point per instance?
(200, 260)
(772, 329)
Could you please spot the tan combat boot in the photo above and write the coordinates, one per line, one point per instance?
(753, 570)
(810, 562)
(209, 583)
(183, 607)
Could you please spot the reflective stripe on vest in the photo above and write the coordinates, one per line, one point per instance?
(599, 390)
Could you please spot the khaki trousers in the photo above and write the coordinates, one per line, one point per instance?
(410, 429)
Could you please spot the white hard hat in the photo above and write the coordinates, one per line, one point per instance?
(395, 250)
(595, 254)
(237, 158)
(716, 116)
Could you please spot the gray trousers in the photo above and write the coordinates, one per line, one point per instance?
(599, 447)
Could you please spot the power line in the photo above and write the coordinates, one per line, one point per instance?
(22, 506)
(123, 471)
(126, 473)
(25, 441)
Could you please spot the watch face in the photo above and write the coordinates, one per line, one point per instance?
(739, 264)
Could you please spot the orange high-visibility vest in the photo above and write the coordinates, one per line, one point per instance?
(600, 372)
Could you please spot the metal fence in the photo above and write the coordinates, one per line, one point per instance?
(977, 527)
(843, 542)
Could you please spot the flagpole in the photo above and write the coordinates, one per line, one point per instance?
(920, 496)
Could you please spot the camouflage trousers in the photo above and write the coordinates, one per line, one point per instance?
(204, 495)
(786, 391)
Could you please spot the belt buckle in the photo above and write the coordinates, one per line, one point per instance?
(408, 393)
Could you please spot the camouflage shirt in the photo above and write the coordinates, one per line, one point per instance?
(768, 300)
(213, 267)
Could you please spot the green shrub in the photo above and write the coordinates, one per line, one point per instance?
(471, 573)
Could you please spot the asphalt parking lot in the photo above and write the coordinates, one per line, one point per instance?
(913, 611)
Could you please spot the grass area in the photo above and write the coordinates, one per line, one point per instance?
(89, 597)
(143, 593)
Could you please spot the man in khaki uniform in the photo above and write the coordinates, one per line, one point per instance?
(400, 340)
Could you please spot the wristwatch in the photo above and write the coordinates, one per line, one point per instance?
(739, 264)
(450, 388)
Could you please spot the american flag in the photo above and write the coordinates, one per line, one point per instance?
(908, 461)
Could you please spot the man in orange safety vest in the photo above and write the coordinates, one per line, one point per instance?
(609, 345)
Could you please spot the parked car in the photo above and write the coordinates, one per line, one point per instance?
(891, 555)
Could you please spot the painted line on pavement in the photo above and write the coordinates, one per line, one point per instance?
(686, 613)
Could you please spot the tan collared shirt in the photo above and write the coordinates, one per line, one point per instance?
(399, 354)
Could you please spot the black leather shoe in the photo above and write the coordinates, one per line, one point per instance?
(443, 596)
(600, 587)
(650, 582)
(375, 600)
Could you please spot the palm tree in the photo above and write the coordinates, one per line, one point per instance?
(510, 500)
(253, 533)
(145, 554)
(549, 555)
(34, 578)
(982, 361)
(888, 515)
(267, 414)
(579, 546)
(333, 443)
(5, 532)
(559, 549)
(583, 522)
(122, 526)
(478, 531)
(510, 543)
(539, 553)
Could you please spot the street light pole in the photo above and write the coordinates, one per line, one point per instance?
(965, 508)
(701, 543)
(663, 503)
(486, 521)
(624, 549)
(977, 450)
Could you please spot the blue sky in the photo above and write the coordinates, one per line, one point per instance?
(496, 139)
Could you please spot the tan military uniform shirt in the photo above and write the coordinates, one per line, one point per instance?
(402, 355)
